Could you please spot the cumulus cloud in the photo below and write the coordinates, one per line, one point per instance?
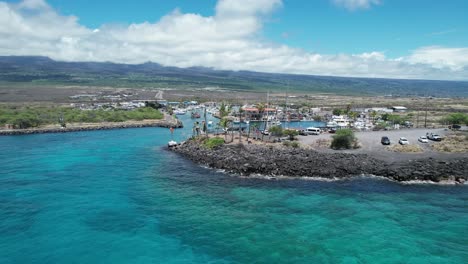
(356, 4)
(440, 57)
(230, 39)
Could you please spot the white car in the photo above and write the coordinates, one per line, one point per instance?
(423, 139)
(403, 141)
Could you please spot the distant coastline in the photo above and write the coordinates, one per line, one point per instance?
(74, 127)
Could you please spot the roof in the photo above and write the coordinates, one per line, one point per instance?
(399, 107)
(250, 109)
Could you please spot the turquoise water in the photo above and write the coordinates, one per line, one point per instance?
(118, 197)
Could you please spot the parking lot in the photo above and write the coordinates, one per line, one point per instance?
(370, 143)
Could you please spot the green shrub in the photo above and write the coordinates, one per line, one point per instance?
(295, 144)
(343, 139)
(455, 119)
(276, 131)
(25, 117)
(291, 133)
(286, 143)
(213, 142)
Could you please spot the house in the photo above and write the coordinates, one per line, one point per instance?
(252, 113)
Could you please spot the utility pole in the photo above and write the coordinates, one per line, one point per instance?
(425, 116)
(417, 120)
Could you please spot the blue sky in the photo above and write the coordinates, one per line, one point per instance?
(393, 26)
(371, 38)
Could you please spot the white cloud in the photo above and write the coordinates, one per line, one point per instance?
(356, 4)
(439, 57)
(230, 40)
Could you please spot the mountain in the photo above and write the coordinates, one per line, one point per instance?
(45, 71)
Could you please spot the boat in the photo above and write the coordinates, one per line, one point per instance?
(275, 123)
(171, 144)
(179, 112)
(195, 115)
(210, 123)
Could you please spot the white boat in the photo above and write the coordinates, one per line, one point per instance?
(171, 144)
(210, 123)
(180, 112)
(276, 123)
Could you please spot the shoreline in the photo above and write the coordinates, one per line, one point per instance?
(351, 177)
(167, 122)
(279, 162)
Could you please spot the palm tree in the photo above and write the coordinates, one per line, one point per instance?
(241, 111)
(261, 108)
(352, 115)
(224, 123)
(255, 126)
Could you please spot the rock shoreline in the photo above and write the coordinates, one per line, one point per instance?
(282, 161)
(100, 126)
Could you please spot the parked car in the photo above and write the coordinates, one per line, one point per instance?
(302, 132)
(434, 137)
(313, 131)
(403, 141)
(385, 141)
(423, 139)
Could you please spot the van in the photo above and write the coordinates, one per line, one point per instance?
(313, 131)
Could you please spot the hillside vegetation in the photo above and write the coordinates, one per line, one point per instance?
(23, 70)
(27, 117)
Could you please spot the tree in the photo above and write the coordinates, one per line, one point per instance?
(223, 110)
(261, 108)
(291, 133)
(338, 111)
(224, 123)
(255, 129)
(455, 119)
(276, 131)
(241, 111)
(153, 105)
(343, 139)
(352, 115)
(317, 118)
(348, 108)
(373, 114)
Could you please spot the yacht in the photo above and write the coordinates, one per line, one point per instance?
(180, 112)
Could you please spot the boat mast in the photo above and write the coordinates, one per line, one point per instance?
(266, 108)
(286, 107)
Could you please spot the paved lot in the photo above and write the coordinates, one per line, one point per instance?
(371, 145)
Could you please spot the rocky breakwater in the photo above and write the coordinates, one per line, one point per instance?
(296, 162)
(94, 126)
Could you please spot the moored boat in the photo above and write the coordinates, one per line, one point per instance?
(171, 144)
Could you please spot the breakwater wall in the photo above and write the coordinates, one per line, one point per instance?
(296, 162)
(88, 127)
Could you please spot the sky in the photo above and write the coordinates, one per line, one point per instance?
(361, 38)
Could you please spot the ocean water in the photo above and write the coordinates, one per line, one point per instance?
(117, 196)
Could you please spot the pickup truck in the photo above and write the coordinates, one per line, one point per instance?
(433, 137)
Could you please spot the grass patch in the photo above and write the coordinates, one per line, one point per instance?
(455, 143)
(213, 142)
(322, 143)
(405, 148)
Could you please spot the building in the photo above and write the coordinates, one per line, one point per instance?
(399, 109)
